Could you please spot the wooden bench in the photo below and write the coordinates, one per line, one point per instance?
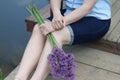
(110, 42)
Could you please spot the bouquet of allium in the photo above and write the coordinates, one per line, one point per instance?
(61, 64)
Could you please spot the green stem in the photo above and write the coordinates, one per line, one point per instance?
(55, 41)
(51, 39)
(36, 9)
(37, 16)
(51, 42)
(30, 9)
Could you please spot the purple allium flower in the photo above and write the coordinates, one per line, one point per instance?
(61, 64)
(70, 76)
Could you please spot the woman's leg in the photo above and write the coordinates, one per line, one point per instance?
(32, 54)
(42, 70)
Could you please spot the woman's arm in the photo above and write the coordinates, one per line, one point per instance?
(58, 20)
(78, 13)
(55, 6)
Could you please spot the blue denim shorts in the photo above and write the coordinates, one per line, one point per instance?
(87, 29)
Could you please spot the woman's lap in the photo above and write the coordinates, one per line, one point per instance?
(87, 29)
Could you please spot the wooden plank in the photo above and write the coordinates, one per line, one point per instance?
(119, 37)
(115, 34)
(115, 7)
(95, 58)
(83, 72)
(113, 1)
(106, 45)
(115, 20)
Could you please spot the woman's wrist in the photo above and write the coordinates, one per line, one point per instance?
(66, 20)
(56, 13)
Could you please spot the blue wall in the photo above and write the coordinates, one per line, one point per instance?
(13, 34)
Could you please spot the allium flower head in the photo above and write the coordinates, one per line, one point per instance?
(61, 64)
(70, 76)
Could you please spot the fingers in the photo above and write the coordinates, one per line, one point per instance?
(58, 24)
(46, 28)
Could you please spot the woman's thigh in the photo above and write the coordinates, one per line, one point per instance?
(89, 29)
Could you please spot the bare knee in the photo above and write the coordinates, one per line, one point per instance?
(36, 32)
(36, 29)
(62, 36)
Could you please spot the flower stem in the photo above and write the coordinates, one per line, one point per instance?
(51, 41)
(36, 9)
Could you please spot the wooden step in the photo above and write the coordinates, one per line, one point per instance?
(92, 64)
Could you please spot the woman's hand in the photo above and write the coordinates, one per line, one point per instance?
(46, 28)
(58, 22)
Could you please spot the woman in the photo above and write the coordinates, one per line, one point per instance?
(83, 21)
